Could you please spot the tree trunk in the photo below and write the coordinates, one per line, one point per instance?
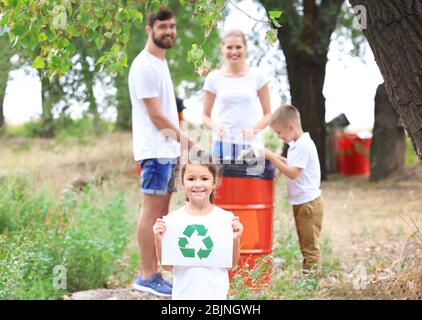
(89, 83)
(47, 129)
(394, 32)
(5, 66)
(388, 148)
(124, 110)
(306, 80)
(2, 95)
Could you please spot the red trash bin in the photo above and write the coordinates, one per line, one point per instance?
(353, 154)
(251, 198)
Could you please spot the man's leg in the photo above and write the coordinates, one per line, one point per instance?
(154, 206)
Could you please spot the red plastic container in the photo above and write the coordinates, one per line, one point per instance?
(251, 199)
(138, 169)
(352, 154)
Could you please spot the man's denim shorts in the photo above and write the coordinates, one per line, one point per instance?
(159, 176)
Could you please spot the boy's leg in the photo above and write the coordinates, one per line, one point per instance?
(308, 218)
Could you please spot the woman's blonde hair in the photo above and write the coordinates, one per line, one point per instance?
(235, 33)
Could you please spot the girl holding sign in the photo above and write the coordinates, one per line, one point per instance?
(199, 272)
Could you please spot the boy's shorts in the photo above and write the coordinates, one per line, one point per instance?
(159, 175)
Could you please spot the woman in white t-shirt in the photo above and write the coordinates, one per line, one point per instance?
(235, 89)
(200, 282)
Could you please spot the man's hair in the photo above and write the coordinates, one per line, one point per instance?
(285, 115)
(161, 15)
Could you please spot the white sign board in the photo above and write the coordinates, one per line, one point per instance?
(197, 242)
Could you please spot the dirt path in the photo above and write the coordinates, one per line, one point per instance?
(372, 225)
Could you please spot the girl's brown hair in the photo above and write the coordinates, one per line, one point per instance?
(212, 168)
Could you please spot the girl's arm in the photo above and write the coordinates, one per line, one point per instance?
(236, 252)
(237, 233)
(159, 228)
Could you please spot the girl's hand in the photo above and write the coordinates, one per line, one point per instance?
(159, 228)
(237, 228)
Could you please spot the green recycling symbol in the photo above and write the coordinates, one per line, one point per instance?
(190, 252)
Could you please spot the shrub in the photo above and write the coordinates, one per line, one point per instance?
(85, 234)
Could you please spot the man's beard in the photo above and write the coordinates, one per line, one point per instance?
(161, 44)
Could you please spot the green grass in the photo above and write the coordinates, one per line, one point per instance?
(84, 234)
(81, 130)
(411, 157)
(287, 280)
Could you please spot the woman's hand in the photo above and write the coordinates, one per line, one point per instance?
(248, 134)
(159, 228)
(219, 131)
(237, 228)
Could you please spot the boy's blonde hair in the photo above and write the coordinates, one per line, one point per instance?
(284, 115)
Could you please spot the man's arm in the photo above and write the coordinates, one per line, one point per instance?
(161, 122)
(281, 164)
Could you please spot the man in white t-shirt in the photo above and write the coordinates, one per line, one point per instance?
(303, 173)
(156, 137)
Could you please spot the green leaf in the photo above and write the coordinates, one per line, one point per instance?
(50, 34)
(42, 37)
(93, 25)
(115, 48)
(99, 41)
(65, 68)
(276, 24)
(71, 48)
(275, 14)
(19, 29)
(271, 36)
(39, 63)
(32, 42)
(108, 25)
(100, 60)
(83, 18)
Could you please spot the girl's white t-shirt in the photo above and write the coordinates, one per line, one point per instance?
(236, 101)
(200, 283)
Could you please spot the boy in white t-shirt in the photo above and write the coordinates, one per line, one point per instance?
(303, 174)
